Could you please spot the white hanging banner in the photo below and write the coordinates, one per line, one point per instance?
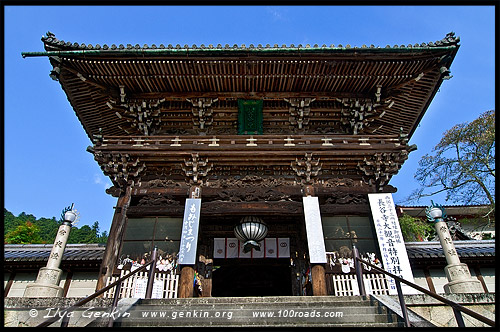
(232, 248)
(390, 241)
(220, 247)
(314, 230)
(189, 235)
(271, 248)
(283, 247)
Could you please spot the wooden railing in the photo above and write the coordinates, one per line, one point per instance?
(346, 284)
(457, 308)
(167, 282)
(117, 284)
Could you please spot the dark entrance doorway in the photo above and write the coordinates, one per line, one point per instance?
(242, 278)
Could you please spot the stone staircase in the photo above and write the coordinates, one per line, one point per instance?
(283, 311)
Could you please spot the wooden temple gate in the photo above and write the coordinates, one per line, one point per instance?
(251, 131)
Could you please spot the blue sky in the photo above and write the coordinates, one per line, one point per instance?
(46, 165)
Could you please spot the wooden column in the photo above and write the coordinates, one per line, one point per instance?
(186, 280)
(12, 276)
(428, 278)
(111, 254)
(67, 282)
(480, 278)
(318, 276)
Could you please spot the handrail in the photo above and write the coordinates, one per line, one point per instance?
(454, 305)
(102, 290)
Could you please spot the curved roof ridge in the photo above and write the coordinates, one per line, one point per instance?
(51, 42)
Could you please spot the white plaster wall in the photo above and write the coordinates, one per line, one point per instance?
(419, 278)
(488, 277)
(21, 280)
(82, 284)
(438, 279)
(6, 277)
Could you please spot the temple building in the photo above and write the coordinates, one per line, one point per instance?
(251, 168)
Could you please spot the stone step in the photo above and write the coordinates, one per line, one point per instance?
(256, 311)
(260, 299)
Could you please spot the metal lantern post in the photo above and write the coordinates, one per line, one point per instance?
(458, 274)
(47, 281)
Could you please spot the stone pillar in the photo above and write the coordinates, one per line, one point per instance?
(47, 281)
(458, 274)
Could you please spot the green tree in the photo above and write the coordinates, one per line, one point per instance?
(462, 164)
(24, 234)
(415, 229)
(44, 230)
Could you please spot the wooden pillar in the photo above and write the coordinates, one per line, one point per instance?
(318, 276)
(186, 280)
(12, 276)
(480, 278)
(428, 278)
(111, 254)
(67, 282)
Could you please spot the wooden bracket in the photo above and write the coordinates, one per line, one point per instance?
(202, 111)
(143, 115)
(299, 111)
(195, 169)
(306, 168)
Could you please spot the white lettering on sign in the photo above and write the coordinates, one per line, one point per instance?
(390, 241)
(189, 235)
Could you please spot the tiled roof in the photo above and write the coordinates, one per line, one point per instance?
(465, 249)
(51, 41)
(416, 250)
(40, 252)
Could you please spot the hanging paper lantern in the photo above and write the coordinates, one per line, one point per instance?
(250, 230)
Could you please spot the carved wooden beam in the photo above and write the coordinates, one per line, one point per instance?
(234, 95)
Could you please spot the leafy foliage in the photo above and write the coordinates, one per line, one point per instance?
(415, 229)
(23, 234)
(463, 164)
(25, 229)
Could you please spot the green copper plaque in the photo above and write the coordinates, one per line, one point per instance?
(250, 117)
